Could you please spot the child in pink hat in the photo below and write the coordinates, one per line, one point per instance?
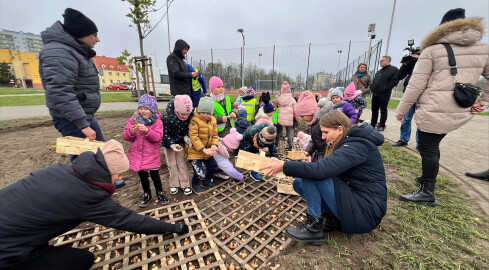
(286, 103)
(356, 100)
(224, 112)
(231, 141)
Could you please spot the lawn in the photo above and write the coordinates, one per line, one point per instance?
(39, 100)
(17, 91)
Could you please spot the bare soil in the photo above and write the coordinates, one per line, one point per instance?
(29, 145)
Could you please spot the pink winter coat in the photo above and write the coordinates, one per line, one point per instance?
(144, 152)
(286, 104)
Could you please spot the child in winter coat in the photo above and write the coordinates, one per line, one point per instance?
(303, 139)
(265, 113)
(355, 98)
(175, 128)
(224, 112)
(343, 105)
(242, 124)
(311, 112)
(145, 130)
(231, 141)
(286, 104)
(202, 132)
(242, 91)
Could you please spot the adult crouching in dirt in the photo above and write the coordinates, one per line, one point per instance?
(70, 77)
(56, 199)
(431, 87)
(180, 77)
(344, 191)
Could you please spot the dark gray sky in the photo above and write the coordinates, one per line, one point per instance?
(206, 24)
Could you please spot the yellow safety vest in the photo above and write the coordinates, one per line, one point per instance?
(219, 110)
(250, 108)
(275, 117)
(196, 86)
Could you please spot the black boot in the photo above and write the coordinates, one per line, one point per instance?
(331, 223)
(419, 179)
(424, 195)
(481, 175)
(309, 232)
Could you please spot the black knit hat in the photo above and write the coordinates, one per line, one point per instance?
(77, 24)
(453, 14)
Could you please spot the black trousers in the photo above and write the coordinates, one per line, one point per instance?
(379, 102)
(429, 148)
(58, 258)
(155, 176)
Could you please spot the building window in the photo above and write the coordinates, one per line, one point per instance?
(117, 74)
(111, 81)
(111, 66)
(103, 65)
(123, 74)
(118, 67)
(119, 81)
(110, 73)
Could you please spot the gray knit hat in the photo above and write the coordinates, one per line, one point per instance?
(337, 92)
(206, 105)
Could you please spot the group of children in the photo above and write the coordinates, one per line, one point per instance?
(205, 135)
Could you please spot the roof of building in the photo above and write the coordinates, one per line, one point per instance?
(109, 63)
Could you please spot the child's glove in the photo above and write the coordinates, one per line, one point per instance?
(176, 147)
(187, 140)
(179, 228)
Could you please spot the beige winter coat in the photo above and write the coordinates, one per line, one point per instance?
(431, 85)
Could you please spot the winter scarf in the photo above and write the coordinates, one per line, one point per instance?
(146, 122)
(217, 98)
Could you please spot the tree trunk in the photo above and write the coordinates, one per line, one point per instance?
(143, 70)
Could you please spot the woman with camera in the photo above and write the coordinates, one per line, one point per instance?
(362, 79)
(432, 88)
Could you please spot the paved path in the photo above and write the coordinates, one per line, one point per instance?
(463, 150)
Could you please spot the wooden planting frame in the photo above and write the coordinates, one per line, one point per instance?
(76, 146)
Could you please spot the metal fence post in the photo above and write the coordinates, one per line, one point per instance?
(308, 57)
(273, 66)
(212, 63)
(347, 60)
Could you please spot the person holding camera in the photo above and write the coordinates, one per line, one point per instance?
(432, 88)
(385, 79)
(408, 62)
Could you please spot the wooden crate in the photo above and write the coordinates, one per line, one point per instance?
(285, 186)
(254, 162)
(75, 146)
(296, 155)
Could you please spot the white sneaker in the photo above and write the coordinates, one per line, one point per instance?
(187, 191)
(173, 190)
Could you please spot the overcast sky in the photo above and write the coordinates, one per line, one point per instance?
(206, 24)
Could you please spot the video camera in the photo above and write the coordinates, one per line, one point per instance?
(412, 50)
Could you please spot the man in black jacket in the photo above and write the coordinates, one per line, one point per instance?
(56, 199)
(180, 77)
(406, 70)
(385, 79)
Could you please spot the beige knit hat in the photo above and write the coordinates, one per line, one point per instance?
(115, 157)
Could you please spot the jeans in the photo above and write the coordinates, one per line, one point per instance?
(319, 196)
(406, 126)
(58, 258)
(66, 128)
(289, 132)
(429, 149)
(379, 102)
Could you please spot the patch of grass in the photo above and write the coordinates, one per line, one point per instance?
(17, 91)
(483, 113)
(39, 100)
(445, 237)
(392, 103)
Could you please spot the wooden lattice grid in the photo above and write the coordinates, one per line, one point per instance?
(253, 216)
(118, 249)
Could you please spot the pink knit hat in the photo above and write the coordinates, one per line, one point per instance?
(306, 105)
(215, 82)
(350, 89)
(232, 139)
(183, 104)
(285, 88)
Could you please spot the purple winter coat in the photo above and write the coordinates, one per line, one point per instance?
(144, 152)
(345, 107)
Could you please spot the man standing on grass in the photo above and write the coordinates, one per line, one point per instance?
(385, 79)
(70, 76)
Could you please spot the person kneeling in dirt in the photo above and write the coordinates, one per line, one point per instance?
(345, 190)
(56, 199)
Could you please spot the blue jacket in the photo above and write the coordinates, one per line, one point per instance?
(242, 123)
(201, 81)
(247, 143)
(358, 174)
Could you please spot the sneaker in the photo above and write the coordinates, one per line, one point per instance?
(119, 183)
(208, 184)
(197, 189)
(256, 176)
(379, 128)
(187, 191)
(173, 190)
(161, 197)
(147, 198)
(400, 143)
(222, 176)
